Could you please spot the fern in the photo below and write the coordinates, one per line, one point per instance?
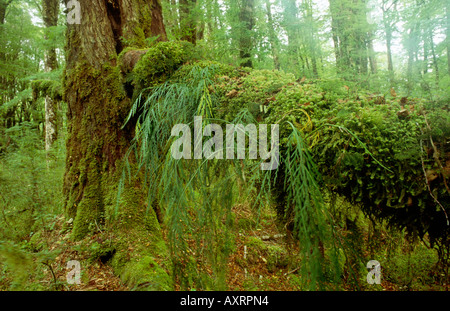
(196, 196)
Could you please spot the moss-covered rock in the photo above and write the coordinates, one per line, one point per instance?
(273, 255)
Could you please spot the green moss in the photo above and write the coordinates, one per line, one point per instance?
(143, 273)
(250, 90)
(220, 70)
(160, 62)
(91, 206)
(275, 256)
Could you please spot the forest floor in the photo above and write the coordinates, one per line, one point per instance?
(263, 259)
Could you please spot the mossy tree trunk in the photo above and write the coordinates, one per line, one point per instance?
(50, 10)
(447, 9)
(96, 143)
(247, 21)
(4, 81)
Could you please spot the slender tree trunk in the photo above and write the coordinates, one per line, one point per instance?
(246, 19)
(388, 32)
(388, 29)
(411, 47)
(7, 84)
(291, 25)
(312, 38)
(272, 36)
(188, 22)
(425, 55)
(447, 8)
(433, 54)
(372, 55)
(96, 143)
(340, 20)
(50, 10)
(3, 6)
(389, 51)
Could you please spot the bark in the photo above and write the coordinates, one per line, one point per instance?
(3, 6)
(312, 39)
(50, 10)
(342, 28)
(246, 19)
(272, 36)
(96, 142)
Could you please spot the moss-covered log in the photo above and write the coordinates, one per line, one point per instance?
(389, 156)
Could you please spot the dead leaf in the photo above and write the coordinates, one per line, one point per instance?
(393, 92)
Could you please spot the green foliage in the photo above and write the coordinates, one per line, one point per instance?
(30, 183)
(51, 88)
(19, 262)
(411, 267)
(195, 212)
(191, 210)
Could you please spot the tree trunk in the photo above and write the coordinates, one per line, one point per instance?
(10, 113)
(447, 8)
(411, 47)
(372, 55)
(388, 29)
(188, 21)
(290, 20)
(3, 6)
(433, 54)
(272, 36)
(246, 19)
(96, 143)
(313, 47)
(50, 10)
(389, 51)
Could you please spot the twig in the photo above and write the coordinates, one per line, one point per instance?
(436, 155)
(292, 271)
(51, 270)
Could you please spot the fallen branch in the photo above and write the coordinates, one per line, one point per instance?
(426, 177)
